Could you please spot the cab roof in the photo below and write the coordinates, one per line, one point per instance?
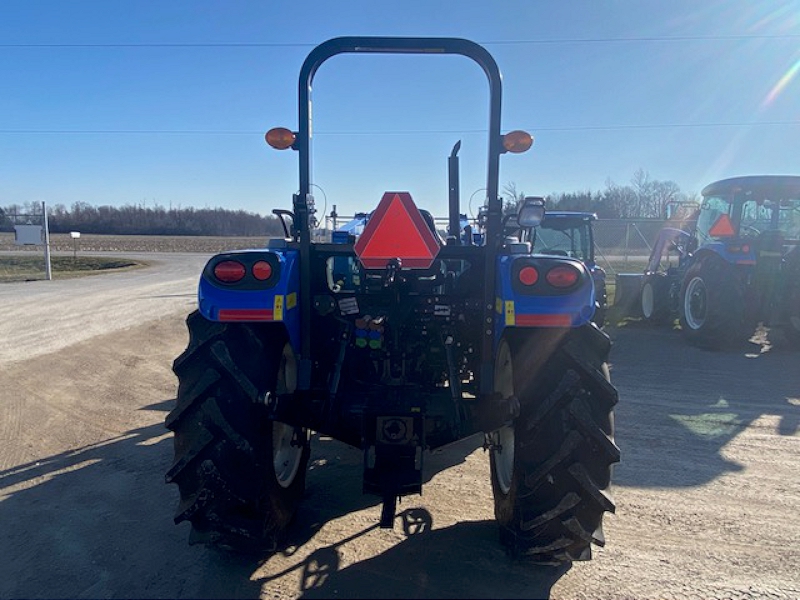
(570, 214)
(760, 185)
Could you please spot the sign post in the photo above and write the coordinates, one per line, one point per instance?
(75, 235)
(48, 271)
(28, 234)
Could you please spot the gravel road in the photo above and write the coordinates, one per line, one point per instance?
(40, 317)
(708, 490)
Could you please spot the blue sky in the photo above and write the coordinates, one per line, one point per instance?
(150, 102)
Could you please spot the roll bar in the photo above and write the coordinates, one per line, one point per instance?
(397, 45)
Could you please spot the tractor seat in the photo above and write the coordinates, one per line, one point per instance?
(431, 225)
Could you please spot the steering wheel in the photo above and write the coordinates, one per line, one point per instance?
(755, 231)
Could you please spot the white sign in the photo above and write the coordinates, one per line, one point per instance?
(75, 234)
(28, 235)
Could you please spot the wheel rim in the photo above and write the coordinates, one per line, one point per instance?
(695, 303)
(503, 451)
(647, 300)
(287, 452)
(287, 442)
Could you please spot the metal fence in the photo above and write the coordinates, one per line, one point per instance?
(619, 243)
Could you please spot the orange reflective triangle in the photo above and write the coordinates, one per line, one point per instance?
(397, 230)
(722, 227)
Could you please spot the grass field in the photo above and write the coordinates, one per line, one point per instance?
(70, 258)
(27, 267)
(62, 242)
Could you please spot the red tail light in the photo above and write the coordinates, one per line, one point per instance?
(229, 271)
(528, 275)
(262, 270)
(563, 276)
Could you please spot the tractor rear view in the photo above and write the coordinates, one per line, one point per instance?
(396, 340)
(741, 267)
(570, 233)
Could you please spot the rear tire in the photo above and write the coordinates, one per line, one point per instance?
(551, 468)
(655, 298)
(712, 303)
(240, 475)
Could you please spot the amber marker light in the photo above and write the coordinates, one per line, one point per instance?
(517, 141)
(280, 138)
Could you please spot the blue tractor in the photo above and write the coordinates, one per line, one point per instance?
(570, 233)
(739, 267)
(396, 340)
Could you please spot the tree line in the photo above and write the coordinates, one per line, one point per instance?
(142, 220)
(642, 198)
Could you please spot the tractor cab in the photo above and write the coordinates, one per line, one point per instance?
(566, 233)
(745, 208)
(571, 234)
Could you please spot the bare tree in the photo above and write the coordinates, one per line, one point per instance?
(512, 197)
(664, 194)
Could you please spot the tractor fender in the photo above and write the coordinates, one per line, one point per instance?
(255, 298)
(558, 292)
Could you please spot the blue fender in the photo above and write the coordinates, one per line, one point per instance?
(254, 300)
(541, 304)
(735, 251)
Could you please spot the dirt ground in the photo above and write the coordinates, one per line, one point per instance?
(708, 490)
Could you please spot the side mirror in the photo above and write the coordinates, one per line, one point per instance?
(531, 211)
(510, 223)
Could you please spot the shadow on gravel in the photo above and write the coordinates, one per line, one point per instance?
(333, 485)
(679, 401)
(461, 561)
(96, 522)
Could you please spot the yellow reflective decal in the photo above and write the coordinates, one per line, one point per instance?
(498, 306)
(277, 309)
(510, 318)
(291, 300)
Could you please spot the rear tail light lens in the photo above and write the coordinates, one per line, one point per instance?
(744, 249)
(562, 276)
(528, 275)
(262, 270)
(229, 271)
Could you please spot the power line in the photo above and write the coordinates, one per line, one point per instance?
(160, 45)
(126, 132)
(641, 126)
(598, 40)
(669, 126)
(676, 38)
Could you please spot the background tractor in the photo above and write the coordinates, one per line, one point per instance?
(570, 233)
(739, 267)
(396, 340)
